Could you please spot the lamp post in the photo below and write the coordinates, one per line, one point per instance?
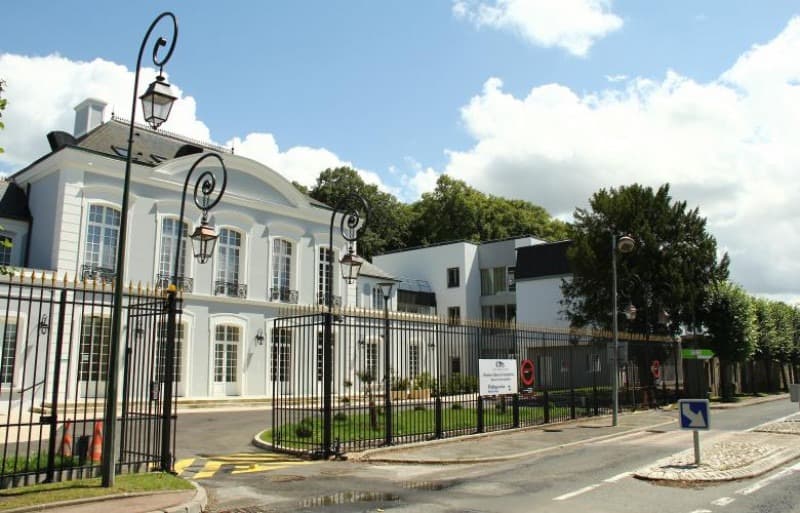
(156, 104)
(204, 239)
(386, 289)
(625, 244)
(355, 212)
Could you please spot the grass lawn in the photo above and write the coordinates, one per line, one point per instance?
(351, 426)
(35, 495)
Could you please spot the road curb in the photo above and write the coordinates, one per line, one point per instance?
(196, 505)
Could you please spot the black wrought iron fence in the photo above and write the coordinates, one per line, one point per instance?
(55, 342)
(418, 379)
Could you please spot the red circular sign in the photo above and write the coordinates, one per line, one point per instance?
(655, 368)
(526, 372)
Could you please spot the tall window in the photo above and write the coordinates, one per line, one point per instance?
(162, 350)
(453, 315)
(413, 361)
(229, 247)
(453, 278)
(377, 298)
(325, 275)
(226, 348)
(281, 264)
(281, 354)
(5, 250)
(9, 351)
(371, 360)
(493, 281)
(102, 234)
(320, 355)
(95, 344)
(169, 244)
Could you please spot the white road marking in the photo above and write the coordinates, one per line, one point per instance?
(576, 493)
(723, 501)
(764, 482)
(771, 422)
(618, 477)
(702, 511)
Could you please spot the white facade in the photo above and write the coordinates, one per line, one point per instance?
(485, 285)
(539, 302)
(272, 251)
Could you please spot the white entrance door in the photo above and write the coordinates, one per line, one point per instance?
(281, 360)
(226, 360)
(93, 355)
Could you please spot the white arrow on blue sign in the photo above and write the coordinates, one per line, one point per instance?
(694, 413)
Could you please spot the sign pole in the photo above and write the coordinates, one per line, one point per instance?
(696, 434)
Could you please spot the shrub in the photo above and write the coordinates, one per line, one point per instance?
(340, 417)
(457, 406)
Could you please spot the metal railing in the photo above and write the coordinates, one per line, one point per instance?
(94, 272)
(184, 284)
(282, 295)
(230, 289)
(53, 390)
(433, 378)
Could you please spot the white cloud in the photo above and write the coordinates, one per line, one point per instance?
(417, 181)
(728, 146)
(616, 78)
(574, 25)
(42, 92)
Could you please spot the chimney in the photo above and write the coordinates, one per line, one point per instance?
(88, 115)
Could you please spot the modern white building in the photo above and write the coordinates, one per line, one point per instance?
(469, 280)
(62, 214)
(540, 271)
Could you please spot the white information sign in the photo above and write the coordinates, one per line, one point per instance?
(497, 377)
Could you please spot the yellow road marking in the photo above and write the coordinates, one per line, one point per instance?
(209, 469)
(247, 469)
(181, 465)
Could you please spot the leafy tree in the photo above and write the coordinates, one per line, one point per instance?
(387, 226)
(731, 322)
(456, 211)
(667, 275)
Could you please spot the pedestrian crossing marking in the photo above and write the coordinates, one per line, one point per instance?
(236, 463)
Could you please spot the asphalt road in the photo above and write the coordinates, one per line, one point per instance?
(593, 477)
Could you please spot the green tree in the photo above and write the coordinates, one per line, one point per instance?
(667, 275)
(387, 226)
(730, 318)
(456, 211)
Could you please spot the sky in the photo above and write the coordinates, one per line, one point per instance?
(542, 100)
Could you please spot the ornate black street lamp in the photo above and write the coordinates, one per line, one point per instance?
(625, 244)
(355, 212)
(203, 239)
(156, 104)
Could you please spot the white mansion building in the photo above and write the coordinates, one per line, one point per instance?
(62, 215)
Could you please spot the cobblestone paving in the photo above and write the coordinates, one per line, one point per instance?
(742, 455)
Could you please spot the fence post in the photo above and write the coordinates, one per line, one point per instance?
(51, 447)
(327, 372)
(480, 414)
(546, 407)
(515, 409)
(437, 416)
(169, 379)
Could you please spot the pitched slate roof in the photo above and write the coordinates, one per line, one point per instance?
(541, 260)
(13, 202)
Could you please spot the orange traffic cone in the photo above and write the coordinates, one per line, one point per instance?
(97, 442)
(66, 440)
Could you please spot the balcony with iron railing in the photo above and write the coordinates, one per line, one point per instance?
(184, 284)
(322, 300)
(230, 289)
(282, 295)
(95, 272)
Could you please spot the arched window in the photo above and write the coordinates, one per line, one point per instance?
(166, 261)
(229, 247)
(102, 236)
(281, 269)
